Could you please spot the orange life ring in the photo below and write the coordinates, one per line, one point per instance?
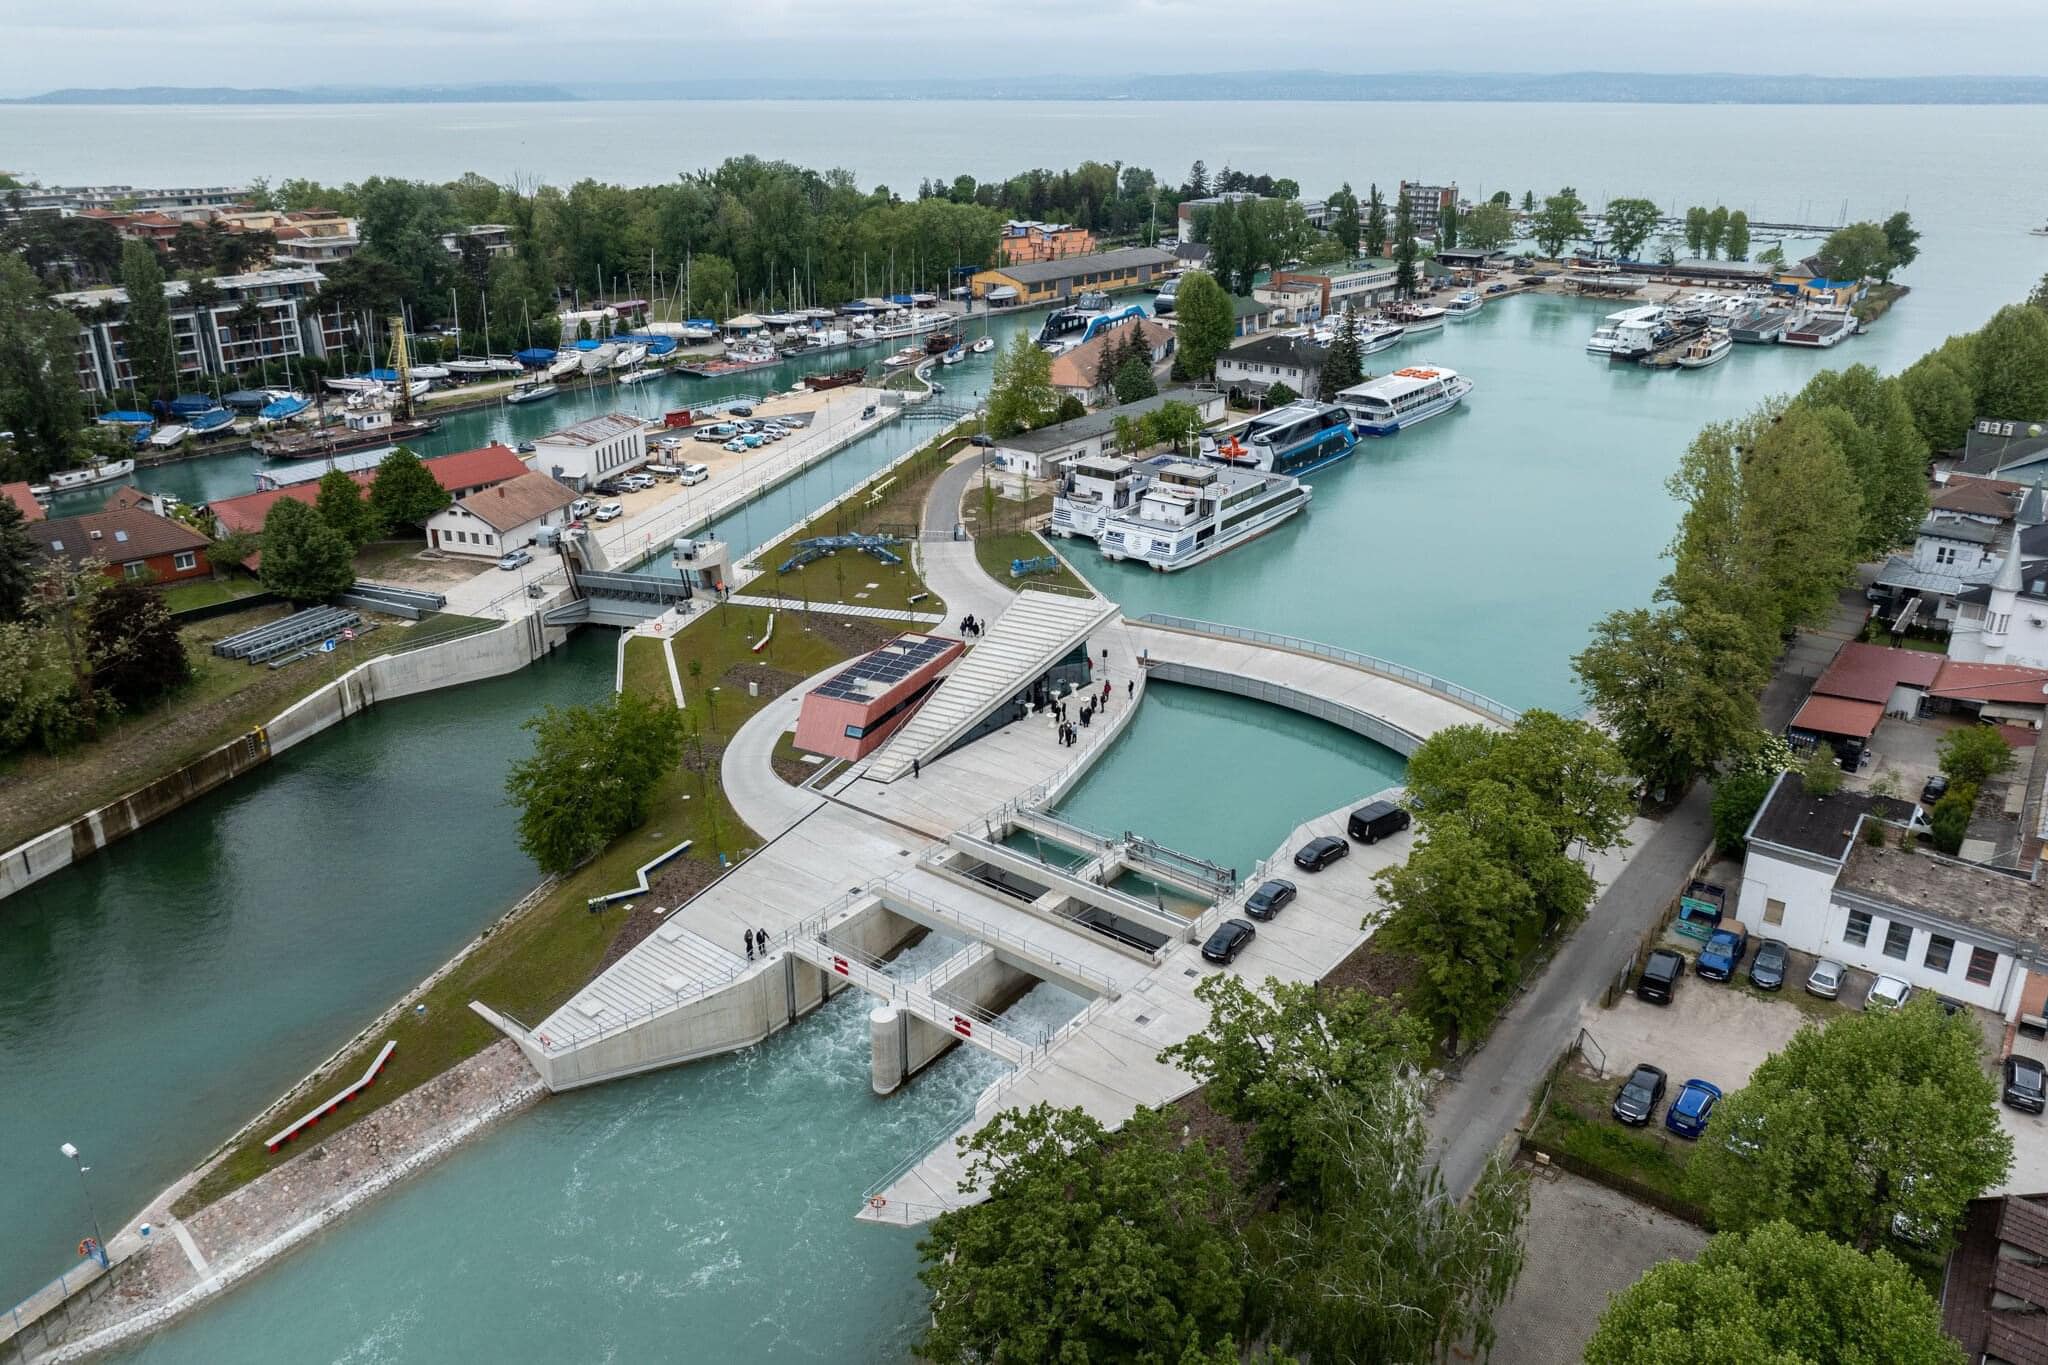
(878, 1202)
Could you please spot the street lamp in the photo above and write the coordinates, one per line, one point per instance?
(99, 1239)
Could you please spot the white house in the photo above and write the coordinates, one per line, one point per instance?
(595, 449)
(2005, 621)
(1042, 453)
(505, 517)
(1962, 930)
(1259, 364)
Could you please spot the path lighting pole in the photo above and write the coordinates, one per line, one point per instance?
(99, 1239)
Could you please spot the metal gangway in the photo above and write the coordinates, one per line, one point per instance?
(300, 630)
(409, 603)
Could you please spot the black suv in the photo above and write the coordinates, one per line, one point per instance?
(1372, 823)
(1637, 1102)
(1268, 900)
(1660, 976)
(2026, 1084)
(1229, 940)
(1319, 853)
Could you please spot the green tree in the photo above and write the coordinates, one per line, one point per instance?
(1447, 226)
(1343, 366)
(146, 331)
(136, 652)
(1088, 1247)
(404, 492)
(1561, 221)
(1802, 518)
(39, 701)
(1453, 905)
(1678, 686)
(1902, 242)
(1772, 255)
(1134, 381)
(1887, 454)
(39, 398)
(2012, 364)
(1821, 773)
(1883, 1114)
(1696, 230)
(231, 550)
(1949, 821)
(1975, 753)
(18, 556)
(1172, 423)
(1268, 1055)
(304, 559)
(1280, 394)
(1774, 1294)
(1406, 253)
(341, 505)
(1383, 1264)
(1021, 395)
(1716, 230)
(1737, 799)
(713, 287)
(1629, 224)
(1345, 224)
(1738, 236)
(1575, 773)
(1203, 325)
(1941, 401)
(1859, 251)
(591, 774)
(1375, 223)
(1489, 226)
(1068, 408)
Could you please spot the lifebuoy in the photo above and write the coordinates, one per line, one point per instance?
(878, 1202)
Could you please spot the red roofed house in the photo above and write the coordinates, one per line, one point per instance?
(498, 520)
(464, 473)
(1078, 371)
(1863, 685)
(18, 494)
(2012, 693)
(133, 543)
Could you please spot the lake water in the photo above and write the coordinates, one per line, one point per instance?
(716, 1199)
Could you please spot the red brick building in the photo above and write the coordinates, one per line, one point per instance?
(463, 473)
(133, 544)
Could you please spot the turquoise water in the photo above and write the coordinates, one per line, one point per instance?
(610, 1224)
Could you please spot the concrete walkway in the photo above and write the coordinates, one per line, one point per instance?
(950, 568)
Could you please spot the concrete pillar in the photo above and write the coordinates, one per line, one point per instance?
(885, 1032)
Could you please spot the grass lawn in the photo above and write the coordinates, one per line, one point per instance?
(893, 503)
(380, 554)
(528, 968)
(994, 553)
(1875, 634)
(1576, 1121)
(185, 596)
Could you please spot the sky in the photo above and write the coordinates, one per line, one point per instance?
(296, 43)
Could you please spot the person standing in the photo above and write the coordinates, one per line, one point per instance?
(750, 945)
(916, 769)
(1131, 688)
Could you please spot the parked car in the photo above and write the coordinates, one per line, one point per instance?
(1887, 993)
(515, 559)
(607, 488)
(737, 445)
(695, 473)
(1767, 968)
(1229, 940)
(1936, 788)
(1371, 823)
(1271, 897)
(752, 440)
(1825, 980)
(741, 411)
(981, 438)
(637, 483)
(2026, 1084)
(1637, 1102)
(1660, 976)
(1319, 853)
(1722, 954)
(580, 508)
(867, 413)
(611, 511)
(1687, 1115)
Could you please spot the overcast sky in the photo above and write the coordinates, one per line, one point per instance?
(413, 42)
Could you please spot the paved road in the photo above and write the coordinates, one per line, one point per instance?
(1477, 1111)
(950, 568)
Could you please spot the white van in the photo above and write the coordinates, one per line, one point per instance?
(695, 473)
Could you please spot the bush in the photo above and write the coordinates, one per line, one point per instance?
(1737, 798)
(1822, 772)
(1971, 755)
(1950, 818)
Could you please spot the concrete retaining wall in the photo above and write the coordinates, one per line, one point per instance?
(388, 677)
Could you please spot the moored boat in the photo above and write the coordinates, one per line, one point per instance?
(65, 480)
(837, 379)
(283, 406)
(212, 422)
(1295, 439)
(169, 435)
(1418, 317)
(642, 375)
(1818, 329)
(983, 345)
(1192, 512)
(358, 431)
(1466, 305)
(1408, 396)
(909, 355)
(533, 391)
(1708, 348)
(1378, 336)
(954, 356)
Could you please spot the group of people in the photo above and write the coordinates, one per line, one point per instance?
(1070, 730)
(756, 938)
(970, 627)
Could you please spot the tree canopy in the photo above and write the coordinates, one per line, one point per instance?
(404, 492)
(1774, 1295)
(1203, 323)
(146, 331)
(1678, 685)
(590, 775)
(1882, 1115)
(136, 653)
(39, 397)
(1629, 224)
(304, 559)
(1974, 753)
(341, 505)
(1560, 222)
(1021, 395)
(1087, 1247)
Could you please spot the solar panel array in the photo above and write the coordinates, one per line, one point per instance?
(883, 669)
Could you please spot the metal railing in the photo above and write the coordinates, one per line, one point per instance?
(1429, 682)
(981, 1031)
(974, 926)
(1360, 722)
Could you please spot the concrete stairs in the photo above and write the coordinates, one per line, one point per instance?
(1033, 633)
(674, 962)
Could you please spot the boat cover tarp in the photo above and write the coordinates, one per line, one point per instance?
(246, 398)
(588, 345)
(126, 417)
(186, 404)
(534, 355)
(383, 376)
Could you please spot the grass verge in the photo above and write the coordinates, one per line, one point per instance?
(994, 553)
(211, 592)
(1636, 1161)
(529, 965)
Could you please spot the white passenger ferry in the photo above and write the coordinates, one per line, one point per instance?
(1097, 489)
(1191, 512)
(1377, 336)
(1397, 401)
(1609, 331)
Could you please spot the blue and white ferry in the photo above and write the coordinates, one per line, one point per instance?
(1294, 439)
(1394, 402)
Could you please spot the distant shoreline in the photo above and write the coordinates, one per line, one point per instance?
(1219, 88)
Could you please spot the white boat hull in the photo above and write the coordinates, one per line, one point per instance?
(1115, 547)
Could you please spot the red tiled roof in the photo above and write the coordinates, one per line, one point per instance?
(1839, 716)
(18, 494)
(2008, 683)
(479, 468)
(1870, 672)
(1978, 497)
(512, 504)
(128, 495)
(120, 537)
